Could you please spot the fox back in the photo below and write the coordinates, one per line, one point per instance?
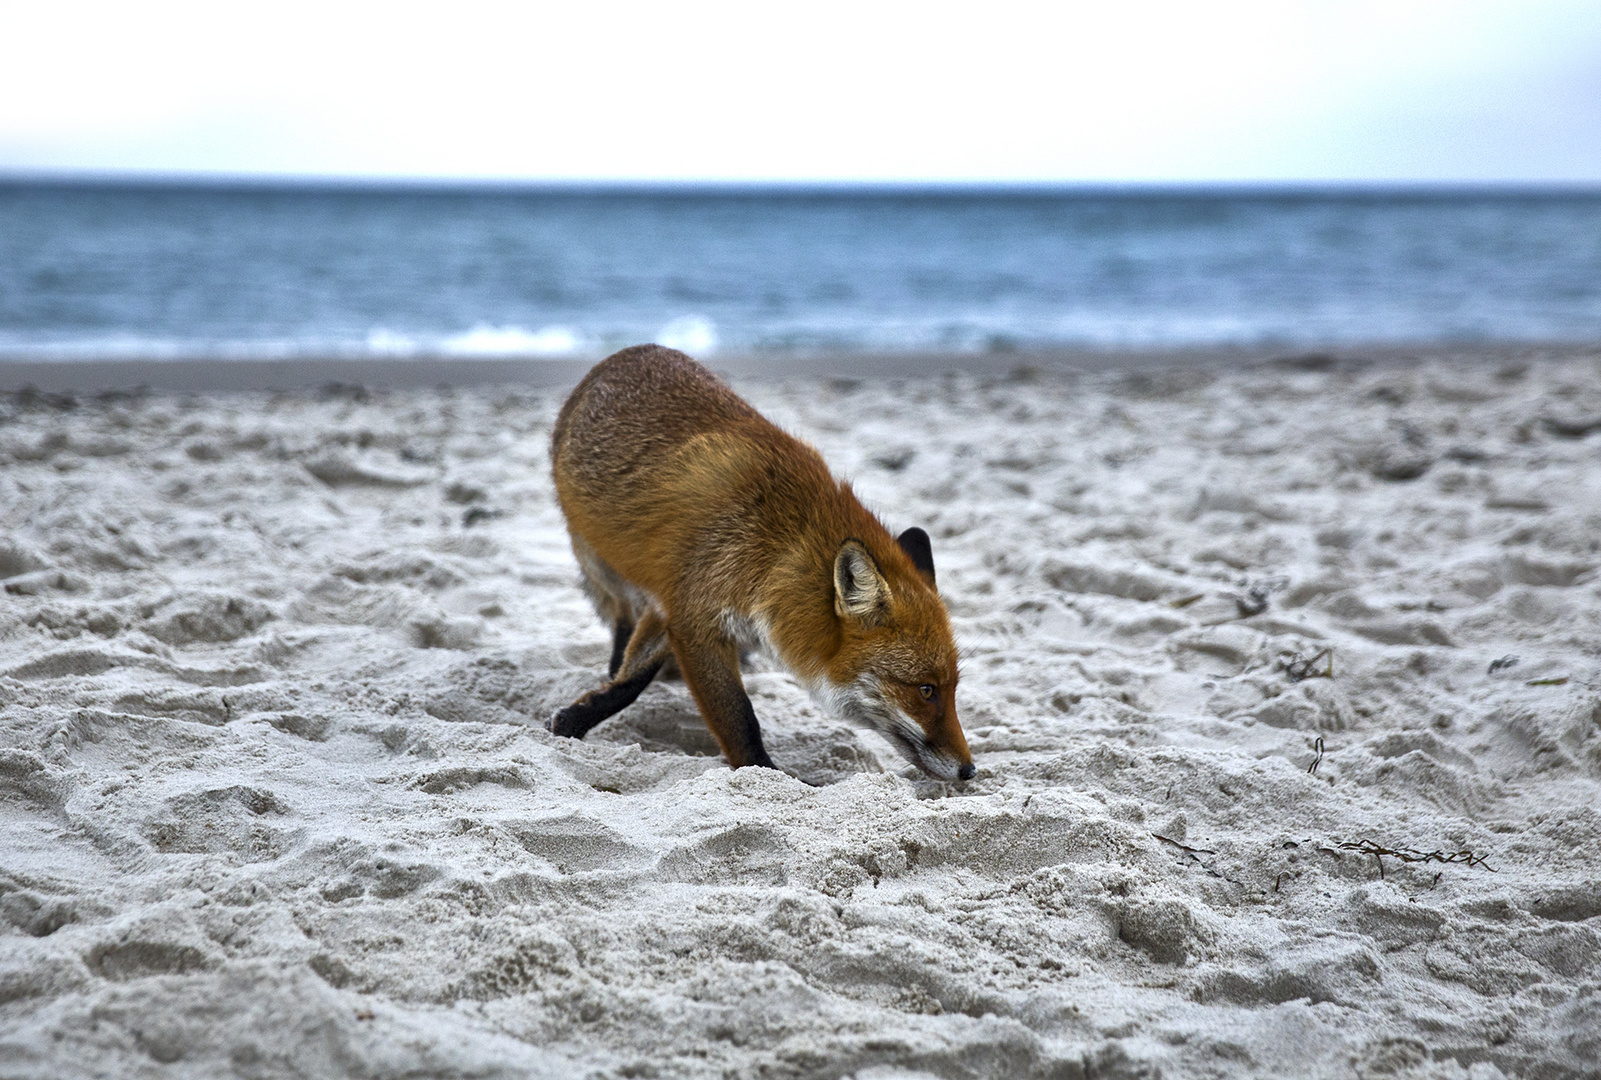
(703, 529)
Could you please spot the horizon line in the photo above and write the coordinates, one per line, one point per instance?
(428, 184)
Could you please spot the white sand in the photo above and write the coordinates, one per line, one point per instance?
(275, 799)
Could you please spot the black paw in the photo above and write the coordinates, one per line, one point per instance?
(568, 723)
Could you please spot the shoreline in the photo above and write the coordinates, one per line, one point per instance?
(311, 373)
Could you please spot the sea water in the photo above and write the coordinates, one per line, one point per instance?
(97, 270)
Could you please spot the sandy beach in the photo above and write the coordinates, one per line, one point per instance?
(1283, 681)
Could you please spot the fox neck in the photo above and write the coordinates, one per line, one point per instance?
(807, 639)
(804, 636)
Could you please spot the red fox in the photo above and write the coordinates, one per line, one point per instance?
(702, 529)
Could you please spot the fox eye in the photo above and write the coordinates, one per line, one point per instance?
(928, 690)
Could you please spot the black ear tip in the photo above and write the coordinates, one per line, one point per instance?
(914, 542)
(914, 539)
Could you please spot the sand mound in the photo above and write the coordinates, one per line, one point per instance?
(1284, 686)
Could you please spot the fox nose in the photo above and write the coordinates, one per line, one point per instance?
(966, 771)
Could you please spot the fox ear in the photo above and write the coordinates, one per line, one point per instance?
(859, 589)
(914, 542)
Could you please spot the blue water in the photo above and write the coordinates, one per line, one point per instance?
(100, 270)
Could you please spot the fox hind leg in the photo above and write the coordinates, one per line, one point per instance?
(622, 631)
(611, 595)
(642, 658)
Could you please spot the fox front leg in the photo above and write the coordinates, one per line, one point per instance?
(711, 670)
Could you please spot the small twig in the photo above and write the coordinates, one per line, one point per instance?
(1547, 682)
(1412, 855)
(1183, 847)
(1186, 601)
(1196, 853)
(1299, 667)
(1311, 770)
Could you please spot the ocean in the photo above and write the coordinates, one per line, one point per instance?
(159, 270)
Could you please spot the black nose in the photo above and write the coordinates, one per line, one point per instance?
(966, 772)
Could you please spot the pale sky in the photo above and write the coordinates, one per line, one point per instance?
(1286, 90)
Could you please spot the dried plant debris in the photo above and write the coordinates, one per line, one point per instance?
(1412, 855)
(1182, 846)
(1318, 665)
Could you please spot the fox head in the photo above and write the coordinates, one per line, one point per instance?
(895, 670)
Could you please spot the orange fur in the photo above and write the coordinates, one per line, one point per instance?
(703, 528)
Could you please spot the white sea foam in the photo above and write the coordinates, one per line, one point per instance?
(486, 340)
(385, 342)
(481, 341)
(691, 333)
(142, 347)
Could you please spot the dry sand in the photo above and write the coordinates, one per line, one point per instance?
(276, 799)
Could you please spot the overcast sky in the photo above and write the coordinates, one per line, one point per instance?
(1286, 90)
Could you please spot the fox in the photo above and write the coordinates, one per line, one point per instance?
(703, 531)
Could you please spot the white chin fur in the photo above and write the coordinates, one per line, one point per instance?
(938, 766)
(863, 702)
